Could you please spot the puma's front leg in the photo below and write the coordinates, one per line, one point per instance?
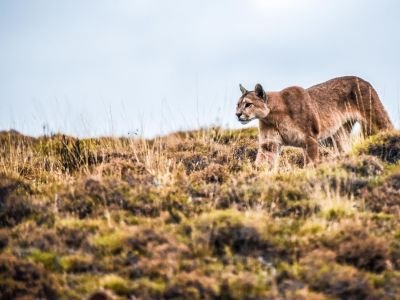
(270, 143)
(311, 153)
(268, 155)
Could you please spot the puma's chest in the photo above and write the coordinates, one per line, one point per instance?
(292, 135)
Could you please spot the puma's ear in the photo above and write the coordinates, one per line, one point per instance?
(242, 89)
(258, 89)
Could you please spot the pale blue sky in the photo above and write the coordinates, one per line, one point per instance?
(100, 67)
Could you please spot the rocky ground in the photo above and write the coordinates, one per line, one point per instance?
(189, 216)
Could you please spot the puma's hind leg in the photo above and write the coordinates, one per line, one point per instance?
(341, 139)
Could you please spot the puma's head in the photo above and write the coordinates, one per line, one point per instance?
(252, 105)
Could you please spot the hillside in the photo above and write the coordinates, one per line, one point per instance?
(188, 216)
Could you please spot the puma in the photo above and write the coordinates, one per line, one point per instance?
(305, 118)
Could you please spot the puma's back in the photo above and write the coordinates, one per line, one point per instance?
(349, 99)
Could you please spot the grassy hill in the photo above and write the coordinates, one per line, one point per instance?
(188, 216)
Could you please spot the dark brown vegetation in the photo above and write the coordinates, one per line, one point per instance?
(189, 216)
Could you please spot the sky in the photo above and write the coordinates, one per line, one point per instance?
(149, 67)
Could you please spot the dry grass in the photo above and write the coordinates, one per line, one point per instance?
(188, 215)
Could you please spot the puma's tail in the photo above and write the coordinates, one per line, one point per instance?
(375, 117)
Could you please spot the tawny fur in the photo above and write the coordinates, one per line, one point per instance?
(306, 117)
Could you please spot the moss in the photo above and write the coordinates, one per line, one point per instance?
(76, 263)
(291, 199)
(305, 294)
(74, 233)
(335, 214)
(82, 284)
(117, 284)
(109, 243)
(389, 283)
(146, 202)
(224, 231)
(246, 285)
(177, 203)
(149, 288)
(48, 260)
(90, 225)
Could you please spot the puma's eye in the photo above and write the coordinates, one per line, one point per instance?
(248, 105)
